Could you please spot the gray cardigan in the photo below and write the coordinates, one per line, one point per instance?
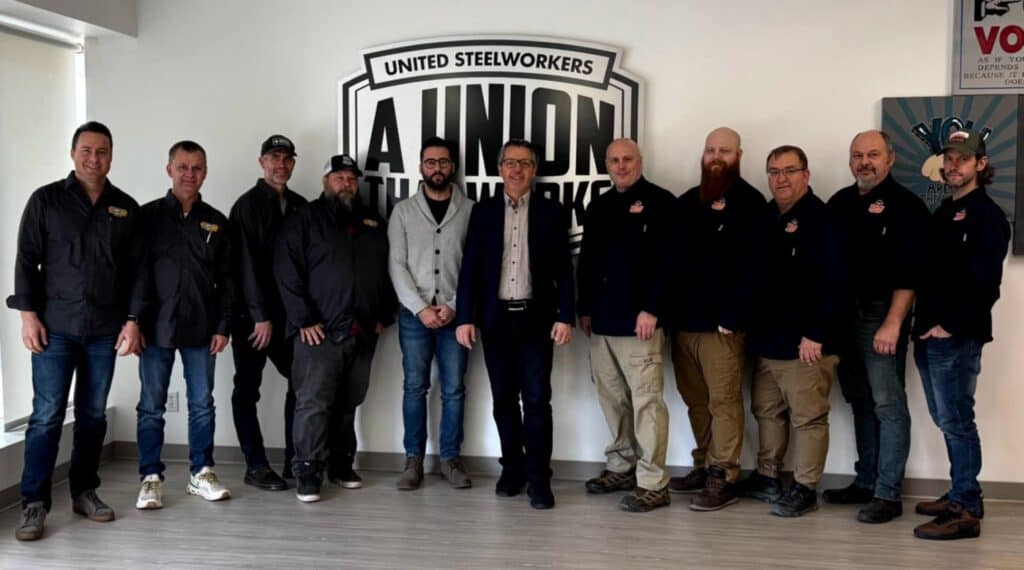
(426, 256)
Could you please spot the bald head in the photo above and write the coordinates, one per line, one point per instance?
(624, 163)
(871, 158)
(722, 149)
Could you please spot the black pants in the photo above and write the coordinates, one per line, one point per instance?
(518, 352)
(331, 380)
(249, 364)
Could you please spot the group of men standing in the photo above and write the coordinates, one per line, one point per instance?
(792, 289)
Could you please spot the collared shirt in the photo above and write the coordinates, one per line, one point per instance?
(515, 257)
(190, 292)
(77, 264)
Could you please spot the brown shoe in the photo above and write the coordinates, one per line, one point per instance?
(941, 505)
(610, 481)
(694, 481)
(453, 471)
(717, 494)
(412, 475)
(953, 524)
(644, 500)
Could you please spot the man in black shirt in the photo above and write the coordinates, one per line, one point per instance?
(188, 308)
(968, 237)
(77, 287)
(332, 271)
(883, 222)
(258, 326)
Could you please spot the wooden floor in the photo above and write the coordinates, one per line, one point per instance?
(438, 527)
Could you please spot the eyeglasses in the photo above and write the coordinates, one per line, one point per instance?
(521, 162)
(786, 172)
(437, 162)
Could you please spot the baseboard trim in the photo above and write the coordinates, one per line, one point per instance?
(568, 470)
(11, 496)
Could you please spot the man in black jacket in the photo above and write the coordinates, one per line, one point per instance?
(718, 243)
(332, 271)
(967, 238)
(188, 308)
(796, 307)
(623, 279)
(258, 326)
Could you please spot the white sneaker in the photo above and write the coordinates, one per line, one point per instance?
(206, 485)
(151, 495)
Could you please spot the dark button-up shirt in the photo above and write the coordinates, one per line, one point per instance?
(256, 219)
(77, 263)
(189, 297)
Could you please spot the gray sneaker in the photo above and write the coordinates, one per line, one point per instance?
(92, 507)
(455, 473)
(412, 475)
(31, 526)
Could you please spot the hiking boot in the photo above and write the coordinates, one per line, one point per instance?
(412, 474)
(849, 495)
(799, 501)
(760, 487)
(941, 505)
(307, 488)
(455, 473)
(692, 482)
(717, 494)
(541, 497)
(206, 485)
(644, 500)
(880, 511)
(33, 515)
(610, 481)
(264, 478)
(509, 484)
(89, 505)
(151, 494)
(952, 524)
(347, 478)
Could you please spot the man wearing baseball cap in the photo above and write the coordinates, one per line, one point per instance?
(258, 326)
(968, 237)
(331, 267)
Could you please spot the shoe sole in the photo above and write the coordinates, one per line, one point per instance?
(972, 534)
(401, 487)
(466, 485)
(645, 509)
(705, 509)
(148, 505)
(94, 518)
(765, 497)
(212, 498)
(794, 514)
(307, 498)
(608, 491)
(685, 491)
(273, 487)
(350, 484)
(28, 535)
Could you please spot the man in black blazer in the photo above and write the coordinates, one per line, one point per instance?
(515, 286)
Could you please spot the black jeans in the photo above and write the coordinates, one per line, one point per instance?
(249, 364)
(518, 352)
(331, 380)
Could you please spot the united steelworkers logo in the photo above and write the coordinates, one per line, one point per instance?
(569, 98)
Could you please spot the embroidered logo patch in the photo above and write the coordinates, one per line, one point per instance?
(876, 207)
(370, 222)
(718, 205)
(117, 212)
(959, 215)
(792, 226)
(637, 207)
(207, 226)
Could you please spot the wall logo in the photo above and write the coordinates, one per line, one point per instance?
(569, 98)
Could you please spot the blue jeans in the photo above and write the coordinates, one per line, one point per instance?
(419, 347)
(875, 386)
(155, 373)
(91, 361)
(949, 372)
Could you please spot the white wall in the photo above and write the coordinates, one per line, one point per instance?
(792, 71)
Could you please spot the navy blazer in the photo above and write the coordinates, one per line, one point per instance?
(550, 263)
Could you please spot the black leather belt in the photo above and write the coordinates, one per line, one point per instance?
(515, 306)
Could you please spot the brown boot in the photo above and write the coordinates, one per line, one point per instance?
(941, 505)
(953, 524)
(694, 481)
(718, 493)
(453, 472)
(412, 475)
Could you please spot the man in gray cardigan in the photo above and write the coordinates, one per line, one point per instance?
(426, 234)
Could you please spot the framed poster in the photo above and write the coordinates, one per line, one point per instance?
(988, 46)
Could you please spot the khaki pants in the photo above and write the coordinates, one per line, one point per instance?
(709, 376)
(785, 392)
(630, 388)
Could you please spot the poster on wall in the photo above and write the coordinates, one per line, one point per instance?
(988, 46)
(918, 125)
(570, 98)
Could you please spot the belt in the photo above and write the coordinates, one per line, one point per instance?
(515, 306)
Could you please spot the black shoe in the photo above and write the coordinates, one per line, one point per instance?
(541, 496)
(286, 471)
(308, 489)
(346, 478)
(508, 485)
(799, 501)
(760, 487)
(880, 511)
(849, 495)
(265, 478)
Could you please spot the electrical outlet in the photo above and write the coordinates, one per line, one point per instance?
(172, 402)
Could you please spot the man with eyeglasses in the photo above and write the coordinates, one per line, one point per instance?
(968, 237)
(718, 253)
(426, 234)
(516, 290)
(624, 276)
(883, 223)
(792, 335)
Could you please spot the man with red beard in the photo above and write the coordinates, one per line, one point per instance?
(718, 244)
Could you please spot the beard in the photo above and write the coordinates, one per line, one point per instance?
(438, 181)
(714, 183)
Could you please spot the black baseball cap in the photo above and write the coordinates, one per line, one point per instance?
(278, 142)
(341, 162)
